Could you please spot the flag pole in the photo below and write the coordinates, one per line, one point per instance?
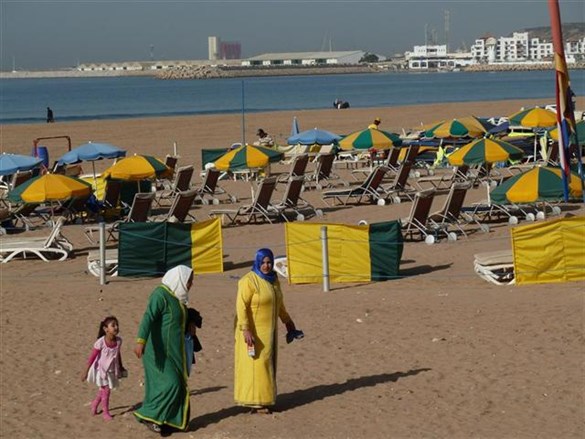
(564, 99)
(243, 117)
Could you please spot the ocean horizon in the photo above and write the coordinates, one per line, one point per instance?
(24, 101)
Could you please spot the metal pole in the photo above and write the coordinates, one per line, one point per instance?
(243, 118)
(102, 253)
(325, 258)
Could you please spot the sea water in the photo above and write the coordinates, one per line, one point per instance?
(25, 100)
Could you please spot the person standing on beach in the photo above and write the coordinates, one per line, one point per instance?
(259, 304)
(375, 125)
(50, 116)
(104, 366)
(161, 345)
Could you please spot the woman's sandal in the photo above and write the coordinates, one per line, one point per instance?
(153, 427)
(261, 411)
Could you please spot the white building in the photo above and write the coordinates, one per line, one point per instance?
(213, 48)
(520, 48)
(304, 58)
(435, 57)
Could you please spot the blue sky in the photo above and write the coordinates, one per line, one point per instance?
(46, 34)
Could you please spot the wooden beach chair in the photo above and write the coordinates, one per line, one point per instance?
(369, 188)
(260, 207)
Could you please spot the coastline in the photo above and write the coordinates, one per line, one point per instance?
(207, 71)
(221, 130)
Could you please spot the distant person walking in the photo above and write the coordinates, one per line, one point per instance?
(376, 124)
(50, 116)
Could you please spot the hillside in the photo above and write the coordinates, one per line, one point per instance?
(571, 32)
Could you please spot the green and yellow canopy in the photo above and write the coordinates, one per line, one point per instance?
(554, 133)
(247, 157)
(138, 167)
(465, 127)
(50, 187)
(370, 138)
(485, 151)
(537, 184)
(533, 117)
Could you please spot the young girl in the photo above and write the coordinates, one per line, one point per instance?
(104, 366)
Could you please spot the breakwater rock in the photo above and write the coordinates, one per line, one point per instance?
(210, 72)
(523, 67)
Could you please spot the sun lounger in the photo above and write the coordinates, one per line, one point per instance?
(111, 262)
(54, 245)
(259, 208)
(496, 267)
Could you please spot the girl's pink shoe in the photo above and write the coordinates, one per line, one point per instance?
(95, 404)
(106, 403)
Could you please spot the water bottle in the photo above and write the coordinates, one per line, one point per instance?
(251, 351)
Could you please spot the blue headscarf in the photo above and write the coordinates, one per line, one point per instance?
(261, 254)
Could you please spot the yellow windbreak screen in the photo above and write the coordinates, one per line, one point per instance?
(206, 247)
(349, 253)
(552, 251)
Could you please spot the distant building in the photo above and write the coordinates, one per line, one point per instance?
(230, 50)
(436, 57)
(305, 58)
(219, 50)
(213, 48)
(520, 48)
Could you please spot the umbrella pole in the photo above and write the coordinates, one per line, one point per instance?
(94, 176)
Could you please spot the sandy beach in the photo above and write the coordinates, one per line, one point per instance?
(439, 353)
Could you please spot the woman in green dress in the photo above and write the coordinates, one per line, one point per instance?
(161, 345)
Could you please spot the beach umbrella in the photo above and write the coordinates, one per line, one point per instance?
(91, 152)
(314, 137)
(138, 167)
(295, 127)
(540, 183)
(485, 151)
(50, 187)
(554, 133)
(534, 118)
(246, 157)
(370, 138)
(12, 163)
(469, 126)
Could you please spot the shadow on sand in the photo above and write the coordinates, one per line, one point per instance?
(288, 401)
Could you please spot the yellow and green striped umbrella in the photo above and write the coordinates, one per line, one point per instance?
(485, 151)
(469, 126)
(533, 117)
(50, 187)
(537, 184)
(138, 167)
(246, 157)
(370, 138)
(554, 133)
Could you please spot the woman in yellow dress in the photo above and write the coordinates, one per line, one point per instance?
(259, 304)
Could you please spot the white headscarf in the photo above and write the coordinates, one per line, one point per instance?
(176, 280)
